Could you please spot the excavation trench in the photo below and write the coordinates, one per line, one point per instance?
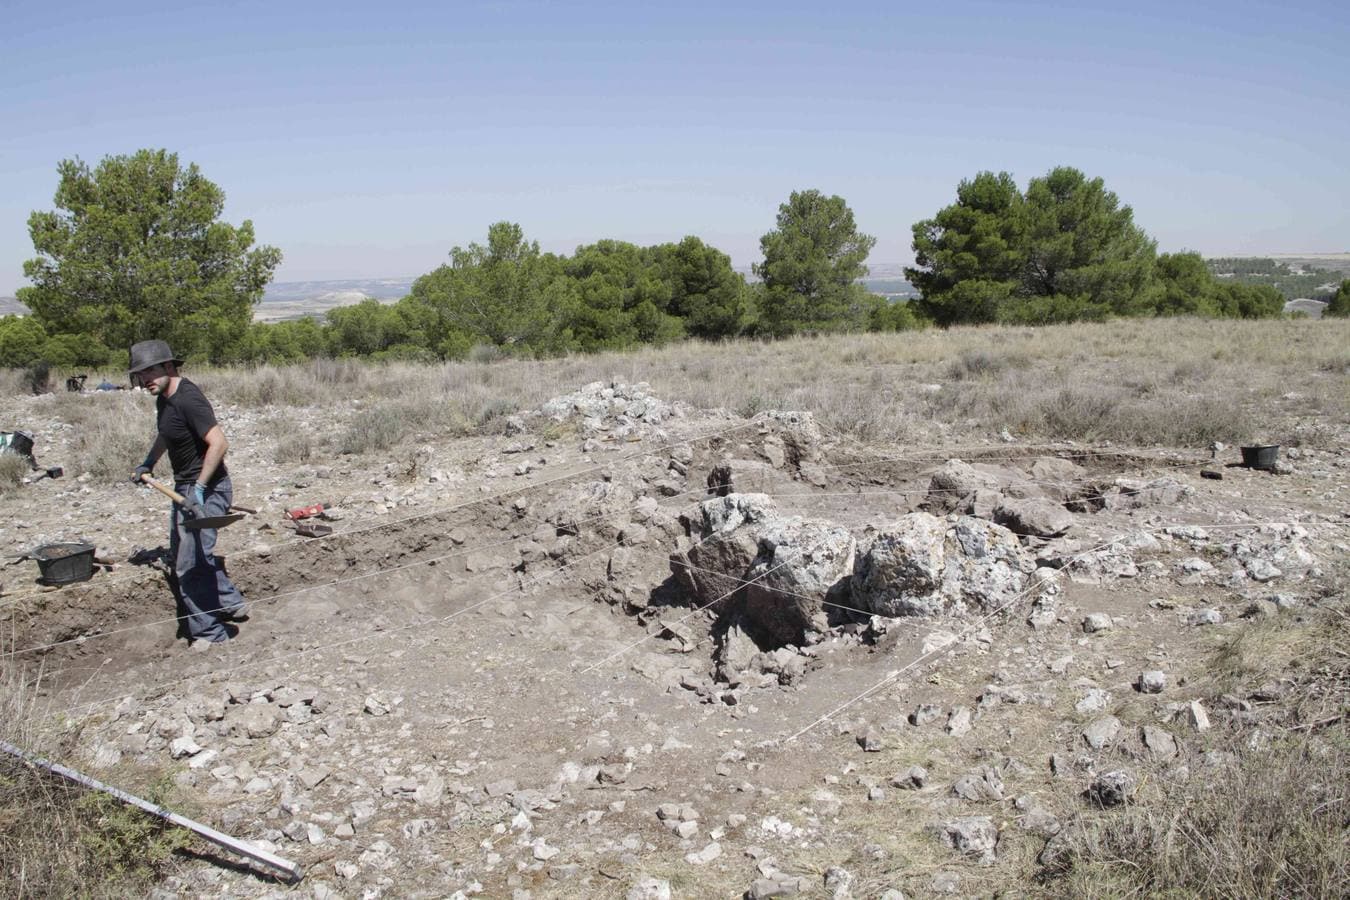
(114, 617)
(429, 566)
(489, 650)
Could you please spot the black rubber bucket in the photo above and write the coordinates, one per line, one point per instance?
(65, 563)
(1261, 456)
(20, 442)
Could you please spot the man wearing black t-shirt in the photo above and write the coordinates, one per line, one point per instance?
(187, 429)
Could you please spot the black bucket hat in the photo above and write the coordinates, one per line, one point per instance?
(150, 353)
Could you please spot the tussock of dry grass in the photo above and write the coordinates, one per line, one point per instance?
(13, 469)
(12, 382)
(984, 364)
(112, 433)
(1268, 824)
(1266, 817)
(294, 448)
(380, 428)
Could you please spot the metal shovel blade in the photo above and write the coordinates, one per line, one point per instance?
(212, 521)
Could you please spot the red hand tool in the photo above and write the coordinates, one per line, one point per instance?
(305, 512)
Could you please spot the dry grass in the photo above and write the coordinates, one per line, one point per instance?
(112, 431)
(1179, 382)
(1174, 382)
(12, 383)
(1268, 824)
(1266, 831)
(1277, 648)
(294, 448)
(13, 469)
(383, 426)
(58, 839)
(1268, 820)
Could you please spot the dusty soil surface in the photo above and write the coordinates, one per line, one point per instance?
(487, 680)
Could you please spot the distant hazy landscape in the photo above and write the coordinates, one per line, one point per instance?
(295, 299)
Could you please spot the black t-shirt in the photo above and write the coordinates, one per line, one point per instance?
(183, 421)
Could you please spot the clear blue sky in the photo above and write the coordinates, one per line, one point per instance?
(366, 139)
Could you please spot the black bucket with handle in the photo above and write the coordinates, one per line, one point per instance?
(65, 563)
(1261, 456)
(20, 442)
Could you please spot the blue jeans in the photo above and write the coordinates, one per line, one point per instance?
(207, 598)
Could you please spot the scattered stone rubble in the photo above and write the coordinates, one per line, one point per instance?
(322, 765)
(615, 410)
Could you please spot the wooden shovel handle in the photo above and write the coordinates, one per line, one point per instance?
(179, 498)
(164, 489)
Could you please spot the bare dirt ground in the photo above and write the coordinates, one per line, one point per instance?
(488, 680)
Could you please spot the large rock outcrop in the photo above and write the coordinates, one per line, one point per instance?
(798, 436)
(801, 572)
(953, 486)
(923, 565)
(1033, 517)
(775, 575)
(901, 573)
(1029, 503)
(712, 566)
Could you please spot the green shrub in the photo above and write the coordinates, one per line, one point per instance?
(21, 340)
(127, 842)
(1054, 310)
(892, 315)
(1339, 306)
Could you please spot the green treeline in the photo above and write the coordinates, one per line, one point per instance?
(507, 294)
(136, 250)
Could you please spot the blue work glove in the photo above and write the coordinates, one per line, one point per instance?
(194, 504)
(140, 470)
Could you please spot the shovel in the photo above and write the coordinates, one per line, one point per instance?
(50, 472)
(203, 522)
